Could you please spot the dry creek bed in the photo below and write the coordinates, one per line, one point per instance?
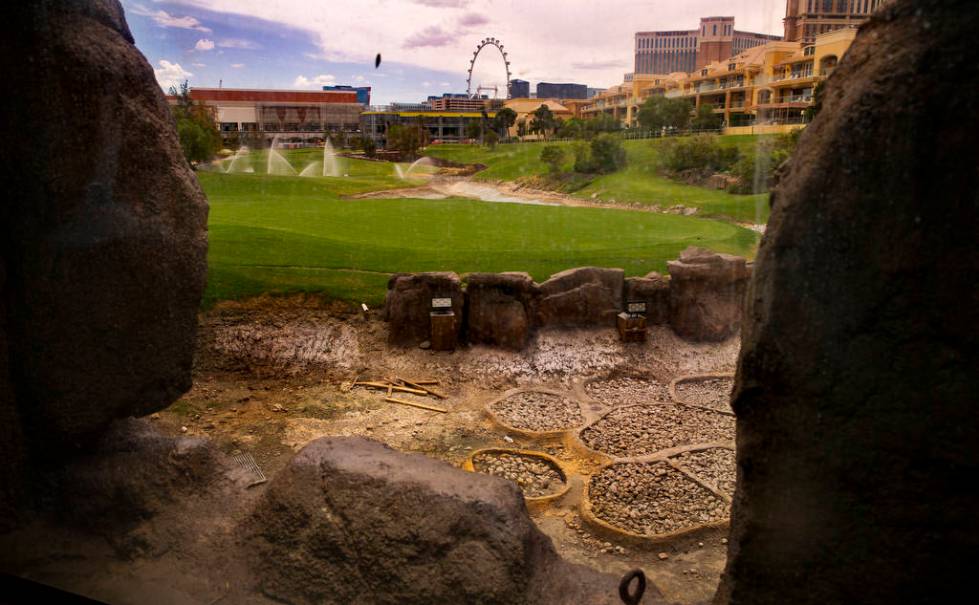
(646, 429)
(652, 498)
(538, 412)
(536, 477)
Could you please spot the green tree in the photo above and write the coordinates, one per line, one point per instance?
(543, 121)
(472, 129)
(554, 157)
(490, 139)
(817, 102)
(603, 122)
(521, 128)
(369, 146)
(658, 112)
(504, 120)
(706, 119)
(407, 139)
(199, 137)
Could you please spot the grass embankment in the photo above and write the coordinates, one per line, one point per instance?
(289, 234)
(640, 182)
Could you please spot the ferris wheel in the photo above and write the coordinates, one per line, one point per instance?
(506, 66)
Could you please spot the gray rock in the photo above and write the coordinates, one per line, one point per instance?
(103, 228)
(408, 304)
(501, 308)
(654, 290)
(707, 294)
(350, 520)
(586, 296)
(856, 390)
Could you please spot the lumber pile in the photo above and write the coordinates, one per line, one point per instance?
(422, 388)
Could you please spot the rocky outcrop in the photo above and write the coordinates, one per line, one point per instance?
(707, 294)
(654, 290)
(586, 296)
(350, 520)
(103, 230)
(856, 385)
(500, 308)
(409, 303)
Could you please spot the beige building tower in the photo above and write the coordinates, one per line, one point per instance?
(805, 19)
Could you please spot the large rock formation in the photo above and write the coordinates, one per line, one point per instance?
(654, 290)
(352, 521)
(707, 294)
(102, 230)
(409, 303)
(586, 296)
(856, 389)
(500, 308)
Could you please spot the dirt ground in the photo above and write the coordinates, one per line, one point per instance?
(272, 374)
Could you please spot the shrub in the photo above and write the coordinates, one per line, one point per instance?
(491, 138)
(701, 152)
(553, 156)
(582, 158)
(756, 171)
(607, 154)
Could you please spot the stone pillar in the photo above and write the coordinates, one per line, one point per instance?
(707, 294)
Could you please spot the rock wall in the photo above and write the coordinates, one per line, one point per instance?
(409, 303)
(350, 520)
(707, 294)
(586, 296)
(654, 290)
(856, 387)
(501, 308)
(102, 230)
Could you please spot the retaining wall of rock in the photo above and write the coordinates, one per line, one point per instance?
(702, 301)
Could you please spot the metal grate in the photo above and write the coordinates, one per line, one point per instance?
(247, 462)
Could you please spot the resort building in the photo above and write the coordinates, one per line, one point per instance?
(524, 108)
(295, 116)
(806, 19)
(519, 89)
(457, 102)
(664, 52)
(766, 86)
(548, 90)
(363, 92)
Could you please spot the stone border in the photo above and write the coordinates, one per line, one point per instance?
(555, 435)
(535, 503)
(695, 378)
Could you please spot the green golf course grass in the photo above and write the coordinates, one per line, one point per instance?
(640, 181)
(273, 234)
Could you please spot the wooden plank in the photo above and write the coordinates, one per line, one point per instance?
(431, 408)
(386, 386)
(426, 389)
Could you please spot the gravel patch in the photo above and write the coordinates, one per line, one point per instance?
(539, 412)
(710, 392)
(652, 499)
(716, 466)
(535, 476)
(647, 429)
(627, 391)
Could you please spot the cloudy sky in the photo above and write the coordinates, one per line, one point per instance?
(426, 45)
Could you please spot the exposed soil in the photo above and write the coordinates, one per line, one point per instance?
(272, 374)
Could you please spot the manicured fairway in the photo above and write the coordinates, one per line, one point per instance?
(639, 182)
(290, 234)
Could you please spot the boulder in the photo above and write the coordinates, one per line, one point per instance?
(856, 386)
(707, 294)
(500, 308)
(586, 296)
(654, 290)
(350, 520)
(104, 230)
(408, 305)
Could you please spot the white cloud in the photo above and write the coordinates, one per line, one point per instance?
(426, 84)
(204, 44)
(433, 35)
(199, 64)
(444, 84)
(237, 43)
(473, 20)
(358, 78)
(319, 81)
(237, 65)
(165, 19)
(171, 74)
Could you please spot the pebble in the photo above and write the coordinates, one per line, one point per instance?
(663, 556)
(535, 476)
(646, 429)
(652, 498)
(716, 466)
(539, 412)
(626, 391)
(710, 392)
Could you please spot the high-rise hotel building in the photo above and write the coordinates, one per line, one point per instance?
(665, 52)
(805, 19)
